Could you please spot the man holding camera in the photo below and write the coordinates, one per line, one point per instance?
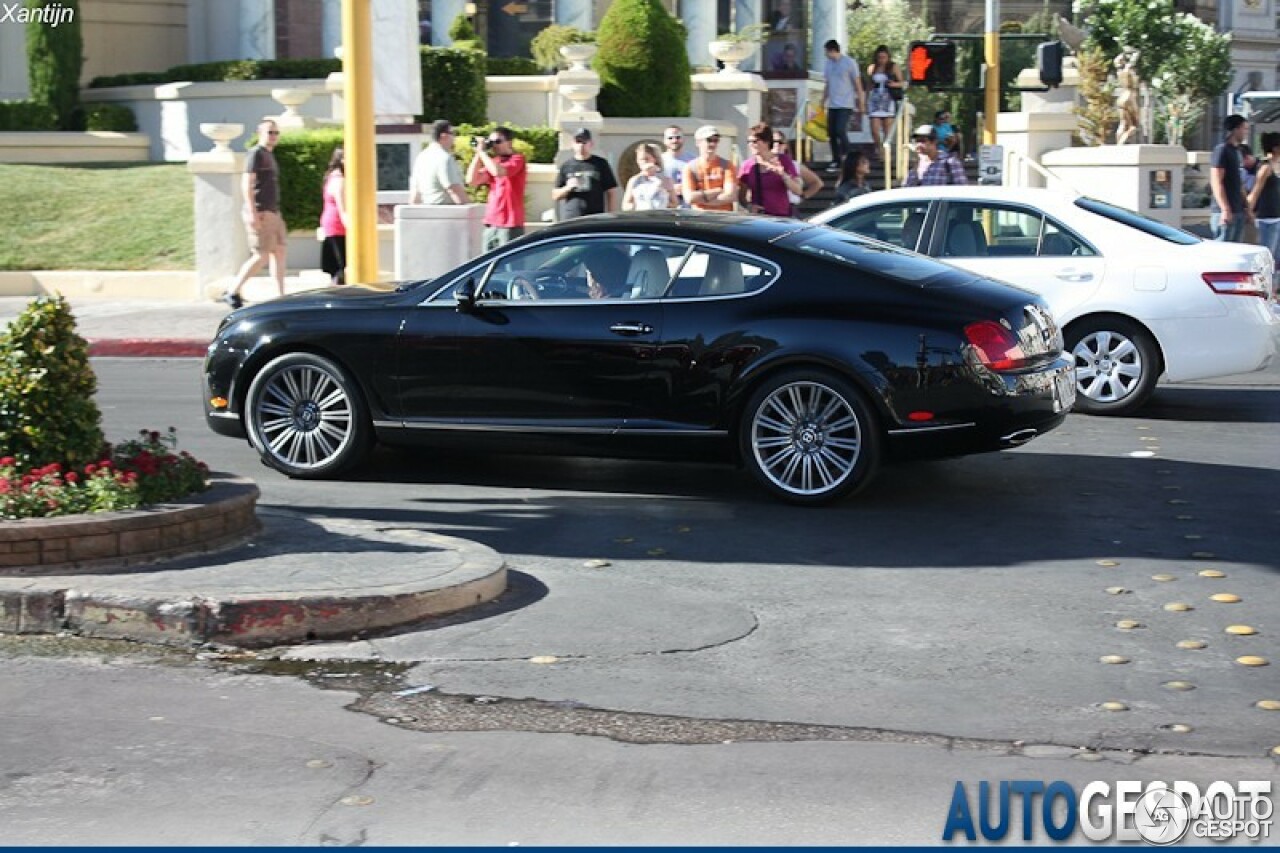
(497, 164)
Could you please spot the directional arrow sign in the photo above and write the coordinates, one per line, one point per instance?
(515, 8)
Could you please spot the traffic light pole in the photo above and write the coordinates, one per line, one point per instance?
(991, 44)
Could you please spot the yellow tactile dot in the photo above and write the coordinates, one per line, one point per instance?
(1108, 563)
(1163, 577)
(1129, 624)
(1212, 573)
(543, 659)
(1118, 706)
(1178, 685)
(1242, 630)
(1252, 660)
(1268, 704)
(1178, 607)
(1226, 598)
(1113, 659)
(1116, 590)
(1192, 645)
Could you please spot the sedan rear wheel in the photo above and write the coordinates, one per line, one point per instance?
(306, 417)
(1117, 365)
(809, 437)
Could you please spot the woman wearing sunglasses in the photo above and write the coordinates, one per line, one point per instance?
(767, 177)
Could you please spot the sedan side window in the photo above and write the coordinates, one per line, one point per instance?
(1058, 242)
(898, 224)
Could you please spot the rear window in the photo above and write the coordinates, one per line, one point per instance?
(873, 257)
(1142, 223)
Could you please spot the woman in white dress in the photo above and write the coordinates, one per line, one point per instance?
(650, 188)
(886, 91)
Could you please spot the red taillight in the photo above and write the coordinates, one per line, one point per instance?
(1236, 283)
(995, 345)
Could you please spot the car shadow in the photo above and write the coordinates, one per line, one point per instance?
(1225, 405)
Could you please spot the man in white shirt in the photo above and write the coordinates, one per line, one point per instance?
(436, 176)
(674, 158)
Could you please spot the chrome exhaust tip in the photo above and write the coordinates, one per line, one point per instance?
(1022, 436)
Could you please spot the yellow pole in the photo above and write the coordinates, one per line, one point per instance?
(361, 156)
(991, 46)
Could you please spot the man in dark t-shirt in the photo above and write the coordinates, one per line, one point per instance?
(266, 230)
(1229, 210)
(585, 183)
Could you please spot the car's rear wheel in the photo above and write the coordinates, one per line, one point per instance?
(809, 437)
(306, 417)
(1117, 365)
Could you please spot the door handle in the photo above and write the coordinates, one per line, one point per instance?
(1072, 275)
(630, 329)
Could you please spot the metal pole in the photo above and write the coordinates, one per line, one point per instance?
(361, 156)
(991, 45)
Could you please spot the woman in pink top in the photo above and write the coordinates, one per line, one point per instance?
(333, 220)
(767, 176)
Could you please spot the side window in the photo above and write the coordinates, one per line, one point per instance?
(711, 273)
(898, 224)
(588, 269)
(979, 230)
(1057, 242)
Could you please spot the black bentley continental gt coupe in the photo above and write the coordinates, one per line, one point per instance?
(805, 353)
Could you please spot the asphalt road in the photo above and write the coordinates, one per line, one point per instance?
(682, 660)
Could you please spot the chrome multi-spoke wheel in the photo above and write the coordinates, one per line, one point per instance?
(1117, 365)
(306, 417)
(809, 437)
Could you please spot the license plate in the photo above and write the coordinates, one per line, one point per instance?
(1064, 390)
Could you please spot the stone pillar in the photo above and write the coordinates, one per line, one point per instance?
(728, 98)
(221, 244)
(575, 13)
(829, 21)
(1146, 179)
(1027, 136)
(578, 87)
(13, 62)
(434, 238)
(397, 71)
(331, 27)
(1061, 99)
(745, 13)
(257, 28)
(700, 21)
(442, 14)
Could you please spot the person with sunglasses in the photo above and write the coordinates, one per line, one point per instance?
(267, 234)
(767, 177)
(809, 178)
(497, 165)
(675, 159)
(709, 182)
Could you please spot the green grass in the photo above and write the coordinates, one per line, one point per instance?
(108, 217)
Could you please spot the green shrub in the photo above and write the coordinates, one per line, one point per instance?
(116, 117)
(137, 78)
(47, 412)
(302, 156)
(642, 63)
(547, 43)
(453, 85)
(55, 55)
(462, 35)
(538, 144)
(221, 72)
(27, 115)
(511, 66)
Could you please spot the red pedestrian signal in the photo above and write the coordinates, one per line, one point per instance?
(932, 63)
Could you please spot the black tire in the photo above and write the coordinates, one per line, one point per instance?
(809, 437)
(306, 417)
(1117, 365)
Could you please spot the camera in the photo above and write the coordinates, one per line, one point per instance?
(477, 142)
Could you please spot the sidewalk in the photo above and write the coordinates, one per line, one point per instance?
(154, 328)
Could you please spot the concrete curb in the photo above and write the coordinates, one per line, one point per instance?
(147, 348)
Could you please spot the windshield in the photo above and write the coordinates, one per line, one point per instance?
(870, 256)
(1142, 223)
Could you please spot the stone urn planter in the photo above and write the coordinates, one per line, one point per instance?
(578, 55)
(732, 53)
(222, 133)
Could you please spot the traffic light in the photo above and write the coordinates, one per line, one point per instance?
(1049, 62)
(932, 63)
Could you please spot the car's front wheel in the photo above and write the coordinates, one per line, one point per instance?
(1117, 365)
(809, 437)
(306, 417)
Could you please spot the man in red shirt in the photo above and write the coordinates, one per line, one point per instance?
(497, 164)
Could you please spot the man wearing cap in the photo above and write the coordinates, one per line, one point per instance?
(675, 159)
(932, 169)
(585, 183)
(709, 182)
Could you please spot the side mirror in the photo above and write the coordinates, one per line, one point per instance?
(465, 295)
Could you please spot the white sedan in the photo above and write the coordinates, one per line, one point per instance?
(1137, 300)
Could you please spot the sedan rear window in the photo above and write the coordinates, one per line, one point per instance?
(873, 257)
(1142, 223)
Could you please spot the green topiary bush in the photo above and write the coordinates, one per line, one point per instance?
(115, 117)
(642, 63)
(27, 115)
(463, 35)
(47, 412)
(547, 43)
(453, 85)
(55, 55)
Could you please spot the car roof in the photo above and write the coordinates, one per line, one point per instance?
(688, 224)
(1038, 196)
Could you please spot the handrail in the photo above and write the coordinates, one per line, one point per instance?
(1052, 178)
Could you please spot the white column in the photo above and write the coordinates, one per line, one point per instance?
(700, 21)
(331, 27)
(830, 21)
(442, 14)
(221, 243)
(745, 13)
(575, 13)
(13, 62)
(257, 29)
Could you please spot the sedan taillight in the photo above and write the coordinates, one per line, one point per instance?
(995, 346)
(1237, 283)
